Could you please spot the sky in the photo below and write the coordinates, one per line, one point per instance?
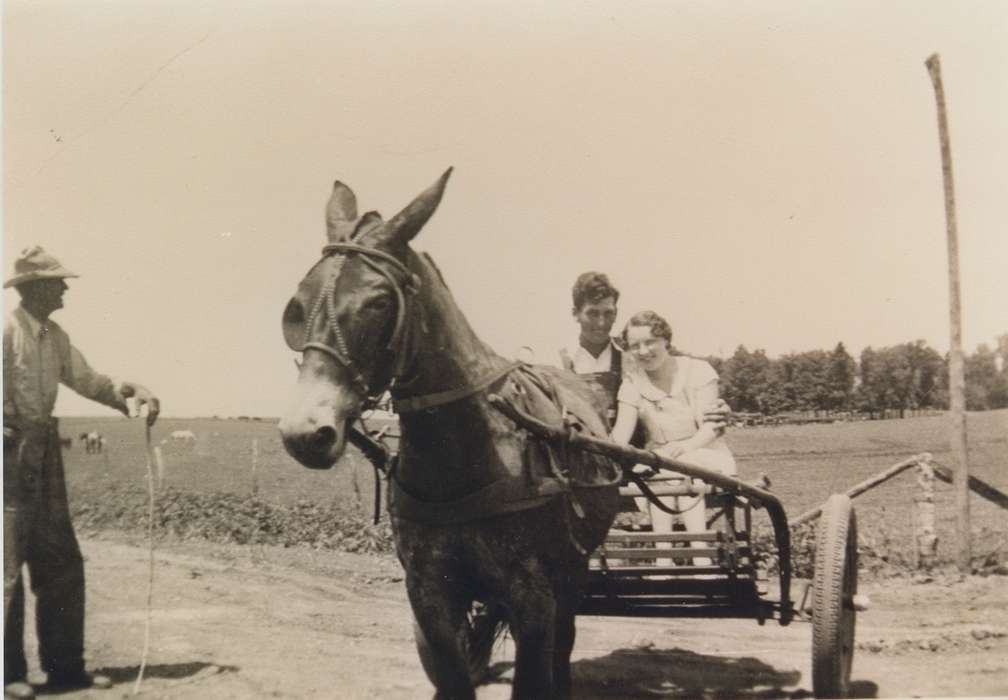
(760, 173)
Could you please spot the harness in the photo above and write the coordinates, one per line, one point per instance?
(506, 495)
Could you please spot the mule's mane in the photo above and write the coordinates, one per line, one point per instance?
(447, 352)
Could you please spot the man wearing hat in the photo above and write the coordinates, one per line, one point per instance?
(37, 357)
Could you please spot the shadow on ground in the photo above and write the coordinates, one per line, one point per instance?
(127, 675)
(676, 673)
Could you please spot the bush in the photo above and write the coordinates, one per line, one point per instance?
(802, 549)
(232, 519)
(879, 555)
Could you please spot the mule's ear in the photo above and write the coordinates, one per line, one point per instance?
(402, 227)
(341, 209)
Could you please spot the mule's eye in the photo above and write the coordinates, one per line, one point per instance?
(378, 304)
(293, 323)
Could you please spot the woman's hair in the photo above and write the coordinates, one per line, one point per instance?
(658, 325)
(591, 288)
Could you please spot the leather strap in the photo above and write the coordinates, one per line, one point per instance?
(507, 495)
(411, 404)
(373, 252)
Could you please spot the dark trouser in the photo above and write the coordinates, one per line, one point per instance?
(38, 532)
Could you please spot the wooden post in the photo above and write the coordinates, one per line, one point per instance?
(159, 460)
(977, 486)
(957, 382)
(925, 533)
(868, 483)
(255, 460)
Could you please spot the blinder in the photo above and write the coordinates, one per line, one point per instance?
(293, 323)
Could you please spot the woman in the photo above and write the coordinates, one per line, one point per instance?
(669, 394)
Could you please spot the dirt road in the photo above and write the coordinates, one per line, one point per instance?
(264, 622)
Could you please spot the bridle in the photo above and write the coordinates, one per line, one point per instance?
(404, 288)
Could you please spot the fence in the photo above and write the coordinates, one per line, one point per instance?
(742, 419)
(925, 536)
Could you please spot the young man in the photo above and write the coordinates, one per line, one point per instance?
(595, 355)
(37, 357)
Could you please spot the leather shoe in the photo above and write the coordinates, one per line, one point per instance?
(19, 690)
(78, 681)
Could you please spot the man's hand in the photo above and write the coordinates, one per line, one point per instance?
(672, 450)
(143, 397)
(11, 437)
(717, 416)
(643, 470)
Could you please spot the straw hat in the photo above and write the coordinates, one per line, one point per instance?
(36, 264)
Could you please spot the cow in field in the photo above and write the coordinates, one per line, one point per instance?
(183, 436)
(93, 442)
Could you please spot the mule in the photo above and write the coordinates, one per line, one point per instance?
(484, 519)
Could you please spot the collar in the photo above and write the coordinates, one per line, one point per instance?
(34, 325)
(578, 348)
(653, 393)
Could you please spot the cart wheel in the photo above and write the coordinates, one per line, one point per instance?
(484, 626)
(834, 585)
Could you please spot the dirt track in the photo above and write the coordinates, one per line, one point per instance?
(253, 622)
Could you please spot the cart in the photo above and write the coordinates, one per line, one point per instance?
(647, 574)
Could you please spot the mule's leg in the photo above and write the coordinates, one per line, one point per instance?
(567, 600)
(533, 625)
(440, 615)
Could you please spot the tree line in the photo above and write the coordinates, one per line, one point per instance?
(908, 376)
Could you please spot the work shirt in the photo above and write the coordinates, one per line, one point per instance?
(604, 371)
(583, 362)
(37, 358)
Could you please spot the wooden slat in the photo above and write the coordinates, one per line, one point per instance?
(617, 537)
(622, 608)
(640, 553)
(674, 571)
(655, 553)
(601, 584)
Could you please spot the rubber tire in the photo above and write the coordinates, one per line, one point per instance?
(484, 626)
(834, 585)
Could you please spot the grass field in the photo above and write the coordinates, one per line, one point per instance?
(220, 461)
(805, 464)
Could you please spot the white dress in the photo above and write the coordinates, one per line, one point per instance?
(675, 416)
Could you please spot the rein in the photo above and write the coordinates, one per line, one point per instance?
(412, 404)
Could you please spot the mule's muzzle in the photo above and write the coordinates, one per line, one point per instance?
(314, 445)
(314, 428)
